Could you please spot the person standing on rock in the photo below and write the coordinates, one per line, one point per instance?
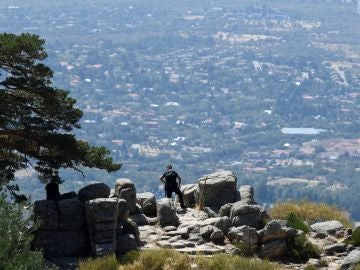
(169, 178)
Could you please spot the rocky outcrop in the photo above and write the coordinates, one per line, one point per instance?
(216, 189)
(276, 239)
(245, 235)
(147, 201)
(247, 194)
(125, 189)
(61, 243)
(188, 192)
(235, 224)
(327, 227)
(101, 216)
(244, 214)
(61, 228)
(351, 260)
(66, 225)
(94, 191)
(65, 215)
(166, 213)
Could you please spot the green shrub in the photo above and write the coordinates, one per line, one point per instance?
(310, 212)
(106, 262)
(15, 239)
(245, 249)
(296, 223)
(355, 237)
(304, 249)
(310, 267)
(323, 263)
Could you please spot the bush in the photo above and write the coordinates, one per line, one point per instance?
(245, 249)
(304, 249)
(355, 238)
(310, 267)
(296, 223)
(15, 239)
(106, 262)
(310, 212)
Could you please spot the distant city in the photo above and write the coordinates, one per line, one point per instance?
(267, 89)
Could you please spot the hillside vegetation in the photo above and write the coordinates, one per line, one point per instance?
(310, 212)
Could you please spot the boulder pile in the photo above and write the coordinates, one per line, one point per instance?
(219, 219)
(89, 223)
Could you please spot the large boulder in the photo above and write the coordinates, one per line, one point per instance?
(71, 215)
(245, 235)
(188, 192)
(244, 214)
(351, 260)
(94, 191)
(217, 237)
(101, 210)
(225, 210)
(130, 227)
(247, 194)
(125, 189)
(147, 201)
(222, 223)
(125, 243)
(274, 230)
(216, 189)
(139, 219)
(327, 227)
(64, 215)
(274, 249)
(123, 210)
(206, 231)
(46, 214)
(102, 219)
(166, 213)
(61, 243)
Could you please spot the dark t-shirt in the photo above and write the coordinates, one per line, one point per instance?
(170, 179)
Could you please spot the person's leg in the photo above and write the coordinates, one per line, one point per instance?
(178, 192)
(168, 193)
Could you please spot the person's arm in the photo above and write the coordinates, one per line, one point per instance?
(162, 179)
(179, 179)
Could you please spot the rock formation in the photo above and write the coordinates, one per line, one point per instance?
(219, 219)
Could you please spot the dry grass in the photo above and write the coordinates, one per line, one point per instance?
(164, 259)
(102, 263)
(226, 262)
(158, 259)
(310, 212)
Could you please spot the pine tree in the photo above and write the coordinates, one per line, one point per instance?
(36, 118)
(15, 239)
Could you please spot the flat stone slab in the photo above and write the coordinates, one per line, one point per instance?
(175, 239)
(170, 228)
(327, 227)
(189, 244)
(164, 244)
(178, 245)
(351, 260)
(183, 232)
(200, 249)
